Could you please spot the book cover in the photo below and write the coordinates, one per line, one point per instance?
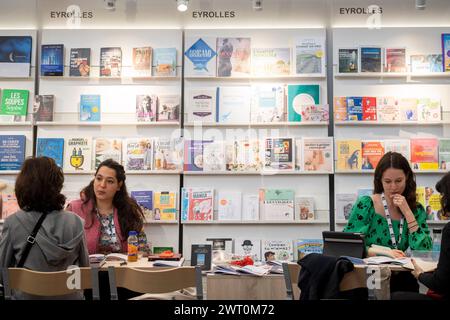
(144, 199)
(372, 152)
(15, 56)
(348, 60)
(233, 57)
(344, 205)
(146, 107)
(446, 51)
(398, 145)
(202, 105)
(271, 62)
(267, 104)
(318, 154)
(298, 154)
(142, 62)
(280, 250)
(348, 154)
(304, 208)
(229, 205)
(307, 246)
(370, 59)
(165, 208)
(77, 154)
(12, 152)
(234, 105)
(14, 103)
(193, 155)
(90, 107)
(246, 156)
(165, 62)
(361, 192)
(200, 204)
(9, 204)
(340, 108)
(420, 63)
(168, 108)
(200, 57)
(279, 154)
(52, 60)
(429, 110)
(369, 109)
(110, 62)
(436, 64)
(80, 62)
(315, 113)
(107, 148)
(424, 153)
(299, 96)
(310, 55)
(388, 109)
(444, 154)
(52, 148)
(138, 154)
(250, 207)
(354, 108)
(408, 109)
(277, 204)
(43, 106)
(213, 156)
(395, 60)
(168, 153)
(248, 247)
(201, 255)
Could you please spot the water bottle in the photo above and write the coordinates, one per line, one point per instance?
(133, 246)
(437, 236)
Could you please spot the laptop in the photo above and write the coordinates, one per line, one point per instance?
(337, 244)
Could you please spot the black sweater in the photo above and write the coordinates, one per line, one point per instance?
(439, 280)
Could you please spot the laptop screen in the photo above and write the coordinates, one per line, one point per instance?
(338, 244)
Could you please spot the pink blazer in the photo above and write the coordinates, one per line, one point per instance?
(92, 231)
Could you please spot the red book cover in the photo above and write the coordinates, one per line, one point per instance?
(372, 151)
(369, 105)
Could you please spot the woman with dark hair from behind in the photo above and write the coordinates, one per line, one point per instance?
(60, 241)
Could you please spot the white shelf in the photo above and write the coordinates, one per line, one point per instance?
(6, 172)
(371, 171)
(262, 173)
(396, 123)
(156, 78)
(16, 78)
(437, 222)
(16, 124)
(235, 222)
(161, 222)
(255, 124)
(341, 221)
(393, 75)
(249, 78)
(131, 172)
(99, 124)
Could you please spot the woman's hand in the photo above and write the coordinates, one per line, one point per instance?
(417, 270)
(399, 201)
(398, 253)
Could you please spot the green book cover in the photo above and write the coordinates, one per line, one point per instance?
(299, 96)
(14, 102)
(279, 194)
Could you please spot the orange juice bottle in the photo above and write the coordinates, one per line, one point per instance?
(133, 246)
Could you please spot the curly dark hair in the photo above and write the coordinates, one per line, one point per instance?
(131, 217)
(396, 160)
(38, 185)
(443, 187)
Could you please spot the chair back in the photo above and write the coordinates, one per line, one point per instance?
(155, 280)
(48, 284)
(291, 273)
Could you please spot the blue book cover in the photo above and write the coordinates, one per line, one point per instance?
(193, 155)
(354, 109)
(52, 148)
(184, 204)
(15, 56)
(145, 200)
(90, 107)
(370, 59)
(165, 61)
(52, 60)
(12, 152)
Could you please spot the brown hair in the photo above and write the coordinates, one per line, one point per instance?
(131, 217)
(38, 185)
(397, 161)
(443, 187)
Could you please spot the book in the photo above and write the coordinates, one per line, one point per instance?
(98, 259)
(408, 109)
(165, 207)
(246, 156)
(90, 107)
(424, 153)
(446, 51)
(144, 199)
(388, 109)
(426, 63)
(214, 156)
(395, 60)
(202, 105)
(271, 62)
(369, 108)
(279, 154)
(348, 154)
(80, 62)
(9, 204)
(52, 60)
(229, 204)
(361, 192)
(14, 104)
(277, 250)
(52, 148)
(165, 256)
(370, 59)
(146, 107)
(234, 105)
(354, 108)
(299, 96)
(168, 263)
(304, 208)
(78, 154)
(344, 205)
(193, 155)
(168, 153)
(165, 62)
(371, 153)
(197, 204)
(43, 107)
(307, 246)
(15, 56)
(158, 250)
(318, 154)
(444, 154)
(201, 256)
(12, 152)
(429, 110)
(299, 165)
(276, 204)
(267, 104)
(245, 270)
(248, 247)
(398, 145)
(233, 57)
(138, 154)
(107, 148)
(348, 60)
(200, 57)
(340, 108)
(250, 207)
(110, 62)
(142, 62)
(168, 108)
(310, 55)
(315, 113)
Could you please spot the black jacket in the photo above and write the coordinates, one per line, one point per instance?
(439, 280)
(321, 275)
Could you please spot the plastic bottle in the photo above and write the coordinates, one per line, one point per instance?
(133, 246)
(437, 236)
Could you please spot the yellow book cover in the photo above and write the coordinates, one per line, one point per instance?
(165, 206)
(348, 154)
(420, 196)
